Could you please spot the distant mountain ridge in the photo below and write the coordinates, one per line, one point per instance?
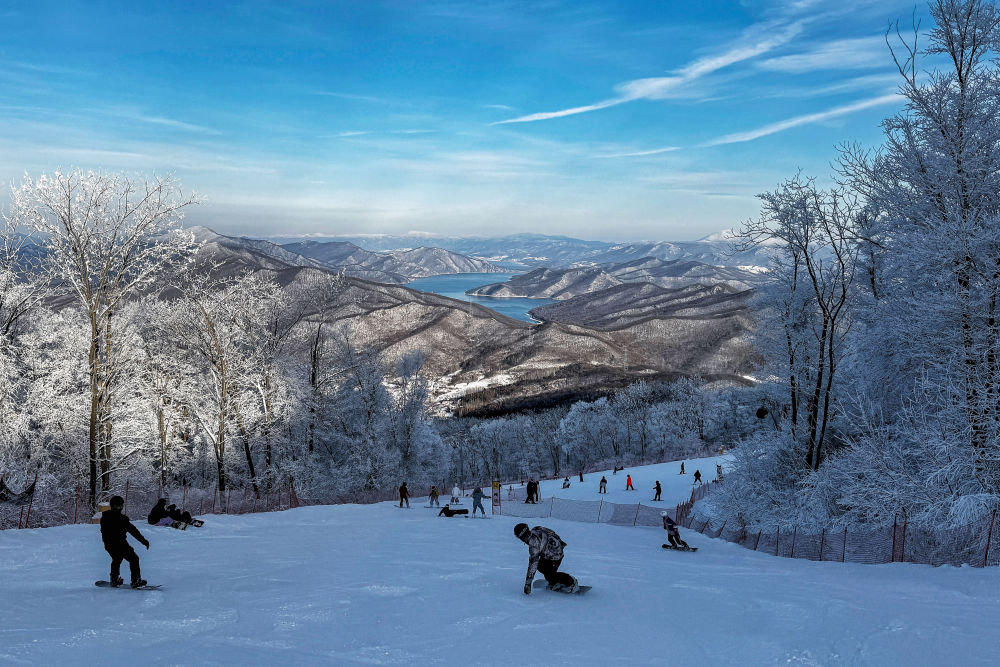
(567, 283)
(529, 251)
(400, 266)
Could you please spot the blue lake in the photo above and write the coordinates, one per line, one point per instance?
(454, 285)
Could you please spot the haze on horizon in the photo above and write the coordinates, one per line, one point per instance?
(603, 120)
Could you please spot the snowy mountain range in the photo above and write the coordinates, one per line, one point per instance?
(567, 283)
(528, 251)
(481, 362)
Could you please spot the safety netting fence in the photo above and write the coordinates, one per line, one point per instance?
(897, 543)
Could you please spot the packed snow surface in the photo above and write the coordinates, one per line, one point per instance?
(376, 584)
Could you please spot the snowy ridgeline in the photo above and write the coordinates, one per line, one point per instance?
(372, 584)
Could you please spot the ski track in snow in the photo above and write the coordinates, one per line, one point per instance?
(367, 585)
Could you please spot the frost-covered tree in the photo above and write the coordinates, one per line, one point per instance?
(106, 238)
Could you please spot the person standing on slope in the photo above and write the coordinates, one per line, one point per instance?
(115, 528)
(604, 485)
(628, 484)
(697, 477)
(477, 501)
(673, 535)
(545, 553)
(658, 489)
(404, 495)
(682, 468)
(455, 493)
(434, 497)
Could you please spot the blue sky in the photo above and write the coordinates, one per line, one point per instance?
(606, 120)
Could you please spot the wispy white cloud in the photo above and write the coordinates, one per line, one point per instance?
(654, 151)
(780, 126)
(839, 54)
(352, 133)
(135, 114)
(756, 41)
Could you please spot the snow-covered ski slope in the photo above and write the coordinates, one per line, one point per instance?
(353, 584)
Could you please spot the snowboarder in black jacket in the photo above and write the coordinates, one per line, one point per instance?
(114, 526)
(673, 535)
(545, 553)
(658, 490)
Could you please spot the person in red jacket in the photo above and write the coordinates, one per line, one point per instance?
(628, 484)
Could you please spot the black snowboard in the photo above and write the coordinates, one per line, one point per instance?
(147, 587)
(541, 583)
(197, 523)
(673, 548)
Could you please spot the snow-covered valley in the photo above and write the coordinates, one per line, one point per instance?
(376, 584)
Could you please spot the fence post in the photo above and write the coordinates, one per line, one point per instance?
(759, 533)
(894, 539)
(822, 542)
(229, 499)
(989, 538)
(704, 526)
(637, 506)
(602, 507)
(795, 532)
(843, 555)
(903, 555)
(723, 527)
(32, 501)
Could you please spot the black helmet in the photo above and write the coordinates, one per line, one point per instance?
(117, 501)
(522, 530)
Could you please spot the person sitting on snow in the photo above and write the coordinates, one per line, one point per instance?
(449, 512)
(673, 535)
(545, 553)
(566, 483)
(159, 516)
(177, 515)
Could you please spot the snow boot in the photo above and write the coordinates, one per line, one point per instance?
(116, 581)
(138, 583)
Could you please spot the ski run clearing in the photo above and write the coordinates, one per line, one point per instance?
(357, 584)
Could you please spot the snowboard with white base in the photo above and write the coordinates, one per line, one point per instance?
(673, 548)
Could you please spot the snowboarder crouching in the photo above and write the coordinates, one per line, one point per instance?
(545, 553)
(114, 526)
(566, 483)
(449, 512)
(673, 535)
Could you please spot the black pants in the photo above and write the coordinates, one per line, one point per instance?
(549, 570)
(676, 541)
(124, 553)
(657, 496)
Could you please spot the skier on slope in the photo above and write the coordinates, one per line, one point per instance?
(455, 494)
(433, 496)
(114, 527)
(658, 490)
(404, 495)
(697, 477)
(477, 501)
(673, 535)
(545, 553)
(628, 484)
(604, 485)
